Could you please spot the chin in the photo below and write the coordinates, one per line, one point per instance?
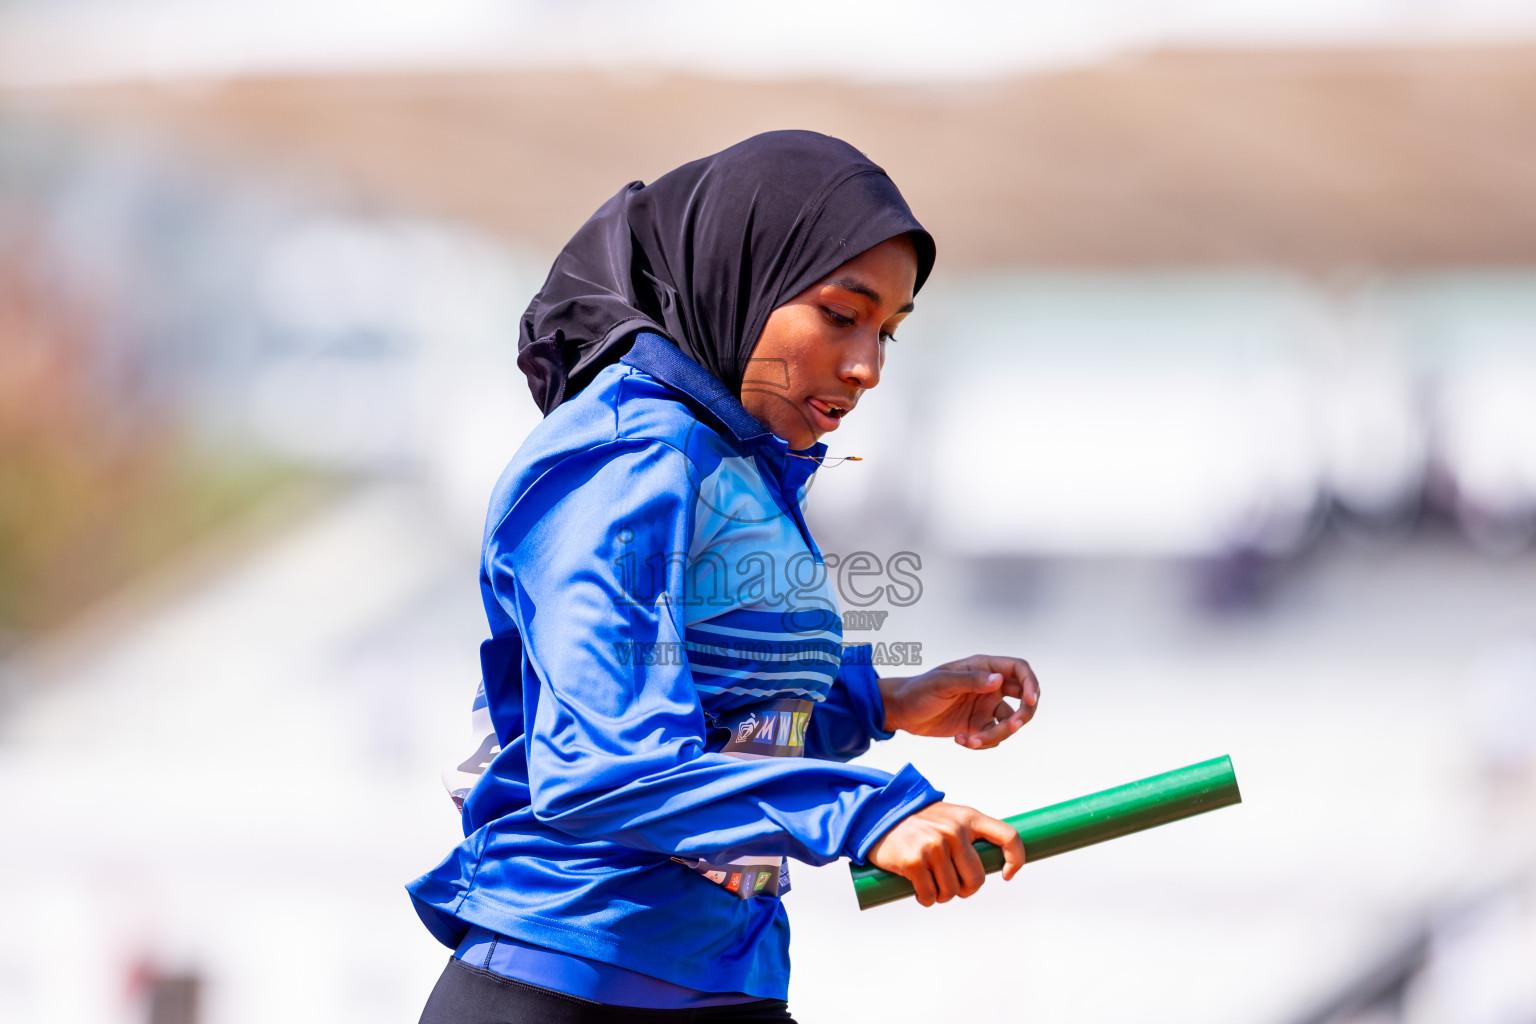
(796, 440)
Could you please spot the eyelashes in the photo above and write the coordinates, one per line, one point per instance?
(841, 320)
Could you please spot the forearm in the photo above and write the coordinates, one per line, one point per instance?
(715, 806)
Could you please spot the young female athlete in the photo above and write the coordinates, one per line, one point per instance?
(667, 706)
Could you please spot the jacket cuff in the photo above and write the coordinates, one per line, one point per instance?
(863, 685)
(906, 792)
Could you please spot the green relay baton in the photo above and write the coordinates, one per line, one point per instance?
(1072, 824)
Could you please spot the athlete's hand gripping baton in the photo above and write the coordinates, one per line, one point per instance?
(1086, 820)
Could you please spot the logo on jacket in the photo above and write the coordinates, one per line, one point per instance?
(744, 730)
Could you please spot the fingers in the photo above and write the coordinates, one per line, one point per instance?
(951, 680)
(995, 725)
(1019, 682)
(922, 884)
(992, 735)
(945, 879)
(968, 866)
(1000, 834)
(1028, 683)
(956, 866)
(1020, 678)
(933, 849)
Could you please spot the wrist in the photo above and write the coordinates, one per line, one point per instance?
(907, 791)
(890, 699)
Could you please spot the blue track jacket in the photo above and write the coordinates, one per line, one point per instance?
(647, 571)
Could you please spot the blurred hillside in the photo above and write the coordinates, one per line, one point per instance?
(156, 268)
(1386, 158)
(166, 262)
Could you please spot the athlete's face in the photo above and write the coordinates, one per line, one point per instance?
(820, 351)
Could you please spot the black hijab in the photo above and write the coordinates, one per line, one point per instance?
(704, 253)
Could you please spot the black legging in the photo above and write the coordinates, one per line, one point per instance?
(469, 995)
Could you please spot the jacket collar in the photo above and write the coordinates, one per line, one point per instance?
(657, 357)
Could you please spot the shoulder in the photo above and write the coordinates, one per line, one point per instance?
(625, 424)
(622, 405)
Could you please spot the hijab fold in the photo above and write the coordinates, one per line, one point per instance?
(704, 253)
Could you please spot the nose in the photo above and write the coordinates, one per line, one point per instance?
(861, 365)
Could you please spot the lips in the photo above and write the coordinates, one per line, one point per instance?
(828, 412)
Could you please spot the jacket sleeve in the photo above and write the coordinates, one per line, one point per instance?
(853, 713)
(589, 563)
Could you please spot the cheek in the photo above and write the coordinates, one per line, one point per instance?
(808, 354)
(816, 366)
(785, 335)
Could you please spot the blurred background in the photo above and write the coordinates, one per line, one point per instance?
(1220, 408)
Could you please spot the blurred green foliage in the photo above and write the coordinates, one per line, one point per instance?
(78, 521)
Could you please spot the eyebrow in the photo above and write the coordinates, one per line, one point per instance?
(853, 284)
